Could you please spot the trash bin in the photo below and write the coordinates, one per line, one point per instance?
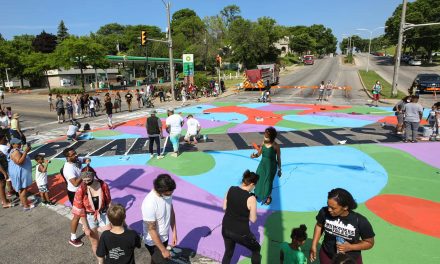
(161, 80)
(138, 83)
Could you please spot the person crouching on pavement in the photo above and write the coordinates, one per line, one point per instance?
(193, 129)
(72, 131)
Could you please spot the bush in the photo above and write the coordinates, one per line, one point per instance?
(201, 80)
(66, 91)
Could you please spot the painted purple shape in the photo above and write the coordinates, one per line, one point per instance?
(138, 130)
(426, 152)
(374, 118)
(199, 213)
(205, 123)
(276, 107)
(246, 128)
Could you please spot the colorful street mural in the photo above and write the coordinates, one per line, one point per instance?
(396, 185)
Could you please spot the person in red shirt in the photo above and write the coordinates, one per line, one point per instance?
(91, 202)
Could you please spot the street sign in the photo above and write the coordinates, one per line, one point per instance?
(188, 65)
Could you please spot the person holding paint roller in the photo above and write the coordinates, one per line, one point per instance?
(269, 164)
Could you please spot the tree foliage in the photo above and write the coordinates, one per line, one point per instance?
(44, 42)
(62, 32)
(421, 40)
(80, 52)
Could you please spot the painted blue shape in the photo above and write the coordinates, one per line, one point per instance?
(426, 112)
(308, 175)
(390, 109)
(197, 109)
(253, 105)
(280, 128)
(328, 120)
(121, 136)
(224, 117)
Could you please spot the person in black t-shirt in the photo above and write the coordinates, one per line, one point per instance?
(117, 244)
(241, 207)
(345, 230)
(128, 98)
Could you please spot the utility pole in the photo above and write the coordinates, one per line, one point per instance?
(170, 45)
(399, 50)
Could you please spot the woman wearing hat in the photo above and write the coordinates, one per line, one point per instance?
(15, 128)
(20, 171)
(91, 202)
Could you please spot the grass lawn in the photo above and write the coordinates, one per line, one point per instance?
(369, 78)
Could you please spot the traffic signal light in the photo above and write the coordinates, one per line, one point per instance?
(144, 37)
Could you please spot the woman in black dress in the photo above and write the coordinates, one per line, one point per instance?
(240, 207)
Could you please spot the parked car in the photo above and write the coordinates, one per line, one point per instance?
(405, 58)
(426, 80)
(415, 62)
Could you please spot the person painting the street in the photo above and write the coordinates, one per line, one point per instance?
(158, 218)
(92, 199)
(269, 164)
(345, 231)
(240, 207)
(377, 88)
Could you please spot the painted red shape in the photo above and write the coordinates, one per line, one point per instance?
(415, 214)
(267, 118)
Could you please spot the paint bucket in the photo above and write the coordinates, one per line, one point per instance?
(427, 131)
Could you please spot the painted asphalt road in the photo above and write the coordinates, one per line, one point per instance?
(323, 70)
(385, 68)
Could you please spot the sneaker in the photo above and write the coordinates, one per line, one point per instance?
(151, 156)
(160, 157)
(76, 243)
(174, 154)
(195, 141)
(31, 206)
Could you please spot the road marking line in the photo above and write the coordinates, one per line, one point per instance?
(91, 153)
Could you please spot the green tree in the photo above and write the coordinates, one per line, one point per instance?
(229, 14)
(22, 46)
(302, 43)
(36, 66)
(44, 42)
(79, 52)
(62, 32)
(421, 40)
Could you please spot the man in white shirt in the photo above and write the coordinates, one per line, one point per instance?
(71, 173)
(158, 216)
(193, 129)
(174, 123)
(72, 131)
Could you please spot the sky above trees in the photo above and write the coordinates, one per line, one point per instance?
(83, 17)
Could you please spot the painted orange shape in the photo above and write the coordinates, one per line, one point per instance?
(267, 118)
(415, 214)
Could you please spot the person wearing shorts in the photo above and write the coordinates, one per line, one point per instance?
(377, 88)
(41, 179)
(174, 123)
(91, 202)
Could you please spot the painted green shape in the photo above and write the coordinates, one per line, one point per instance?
(300, 125)
(186, 164)
(162, 115)
(226, 103)
(288, 112)
(279, 225)
(53, 168)
(217, 130)
(406, 174)
(363, 110)
(277, 229)
(105, 133)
